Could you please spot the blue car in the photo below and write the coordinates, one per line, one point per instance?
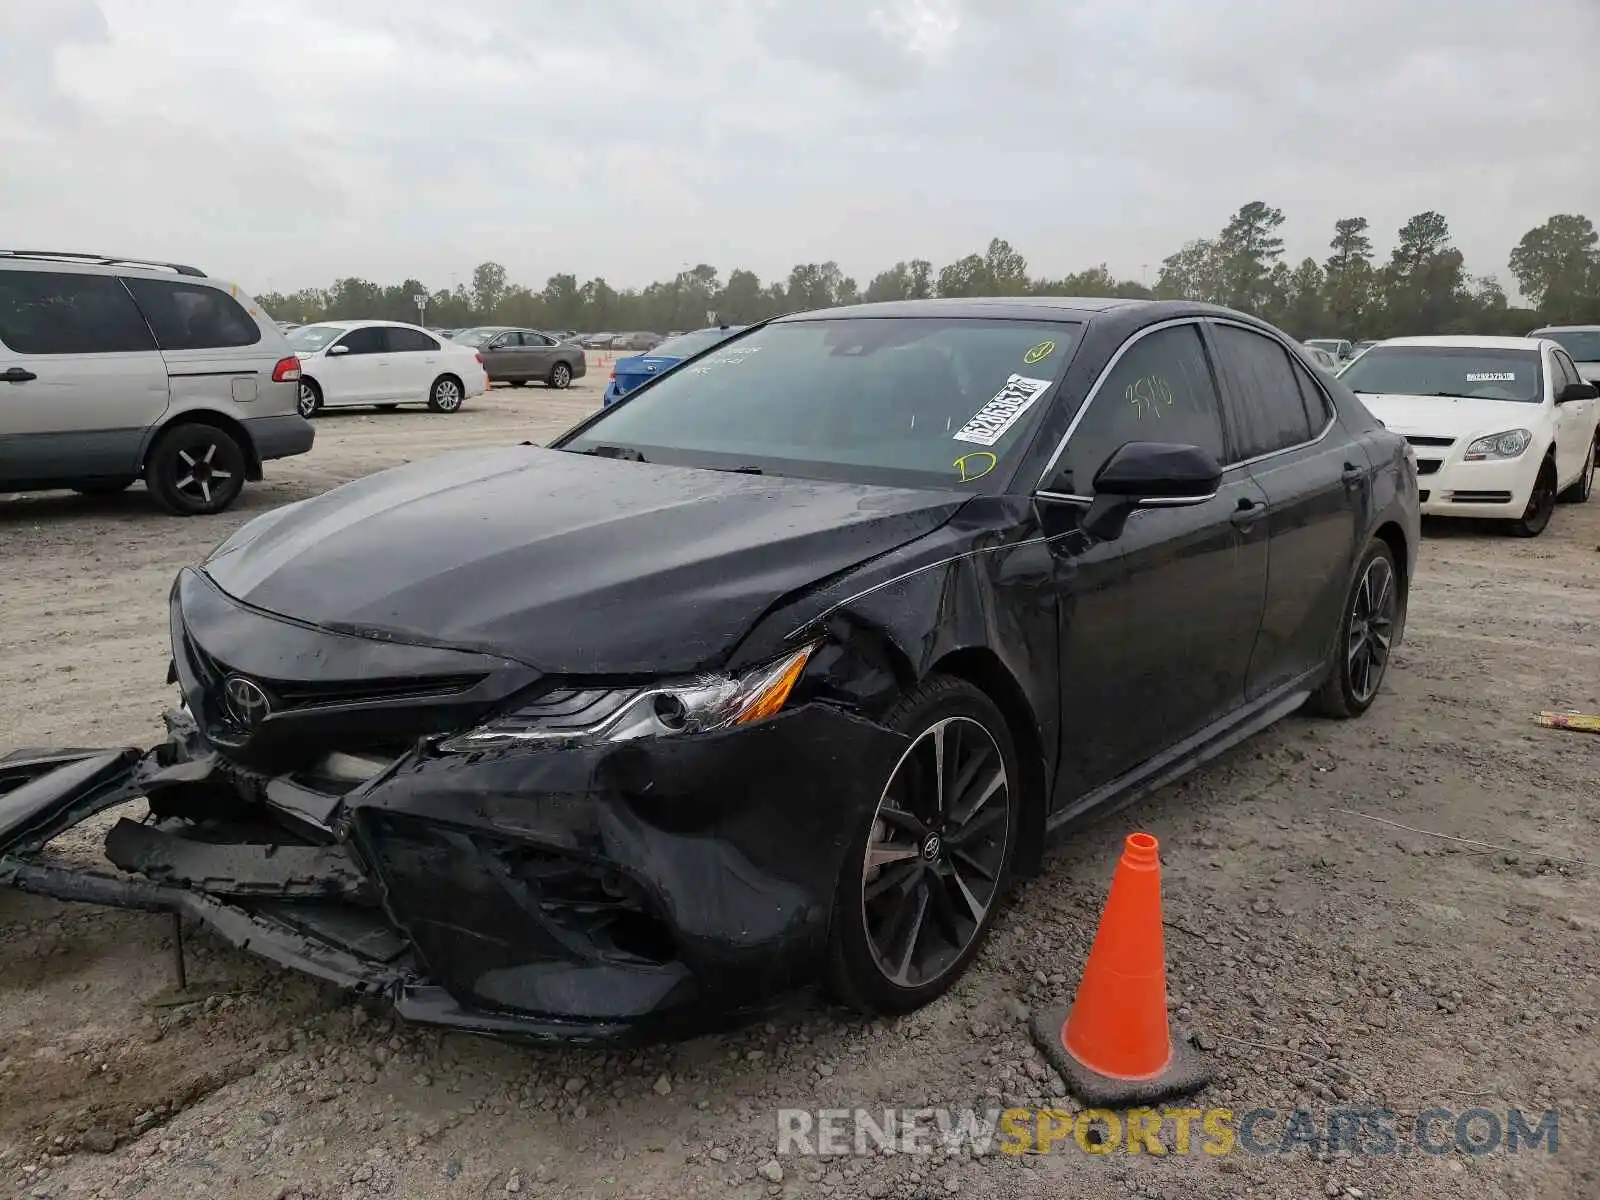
(630, 372)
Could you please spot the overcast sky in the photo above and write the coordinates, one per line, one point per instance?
(287, 142)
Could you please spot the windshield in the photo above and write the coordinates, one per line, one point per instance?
(1466, 371)
(1582, 345)
(312, 338)
(897, 401)
(473, 337)
(686, 345)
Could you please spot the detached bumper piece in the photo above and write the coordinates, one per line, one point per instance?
(630, 892)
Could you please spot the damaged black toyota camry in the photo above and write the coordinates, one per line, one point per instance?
(772, 675)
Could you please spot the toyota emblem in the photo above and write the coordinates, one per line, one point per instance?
(246, 700)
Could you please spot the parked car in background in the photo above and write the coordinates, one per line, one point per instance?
(523, 356)
(1362, 347)
(346, 364)
(596, 341)
(1338, 347)
(1501, 427)
(629, 373)
(113, 370)
(1322, 358)
(1582, 344)
(635, 341)
(286, 326)
(775, 675)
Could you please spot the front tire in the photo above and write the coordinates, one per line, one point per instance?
(560, 376)
(195, 470)
(1578, 493)
(446, 394)
(1541, 503)
(924, 875)
(1370, 618)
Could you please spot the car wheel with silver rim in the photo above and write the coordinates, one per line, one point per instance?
(1368, 628)
(446, 394)
(922, 881)
(309, 401)
(560, 375)
(195, 469)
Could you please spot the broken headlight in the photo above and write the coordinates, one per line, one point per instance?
(699, 705)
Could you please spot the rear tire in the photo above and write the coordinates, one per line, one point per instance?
(446, 395)
(195, 470)
(560, 376)
(1535, 517)
(907, 926)
(1360, 656)
(1578, 493)
(309, 402)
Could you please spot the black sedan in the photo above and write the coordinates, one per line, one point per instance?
(773, 674)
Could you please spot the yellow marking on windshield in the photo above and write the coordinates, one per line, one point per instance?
(1039, 353)
(975, 465)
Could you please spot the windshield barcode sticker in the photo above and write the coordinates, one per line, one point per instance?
(1491, 377)
(989, 424)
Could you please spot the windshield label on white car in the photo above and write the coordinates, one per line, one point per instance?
(1491, 377)
(989, 424)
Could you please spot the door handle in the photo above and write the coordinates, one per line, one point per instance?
(1353, 475)
(17, 375)
(1248, 512)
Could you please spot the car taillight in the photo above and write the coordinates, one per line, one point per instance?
(479, 357)
(286, 370)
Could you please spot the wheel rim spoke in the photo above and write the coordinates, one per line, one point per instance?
(186, 482)
(936, 852)
(188, 460)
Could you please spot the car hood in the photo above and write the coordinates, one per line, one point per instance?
(570, 563)
(1444, 416)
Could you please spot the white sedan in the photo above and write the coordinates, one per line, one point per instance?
(383, 363)
(1501, 427)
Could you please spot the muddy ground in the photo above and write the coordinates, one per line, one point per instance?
(1323, 958)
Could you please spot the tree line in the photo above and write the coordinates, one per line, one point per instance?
(1422, 288)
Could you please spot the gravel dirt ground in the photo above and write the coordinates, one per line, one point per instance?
(1320, 958)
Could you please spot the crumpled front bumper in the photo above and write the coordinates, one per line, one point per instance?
(625, 892)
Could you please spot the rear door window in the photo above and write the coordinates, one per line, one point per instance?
(1266, 405)
(404, 340)
(57, 312)
(1161, 390)
(187, 316)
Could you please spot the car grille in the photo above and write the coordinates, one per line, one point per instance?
(1427, 466)
(1481, 497)
(287, 696)
(1422, 496)
(1420, 440)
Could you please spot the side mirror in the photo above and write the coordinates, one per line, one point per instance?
(1149, 475)
(1574, 392)
(341, 348)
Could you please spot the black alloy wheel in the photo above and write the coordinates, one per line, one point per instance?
(920, 888)
(195, 469)
(1366, 637)
(1541, 503)
(1578, 492)
(560, 375)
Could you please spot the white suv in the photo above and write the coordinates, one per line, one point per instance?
(112, 370)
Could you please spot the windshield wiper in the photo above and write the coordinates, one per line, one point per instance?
(739, 470)
(624, 453)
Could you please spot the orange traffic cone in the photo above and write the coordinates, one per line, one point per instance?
(1113, 1046)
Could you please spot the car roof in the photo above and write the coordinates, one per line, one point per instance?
(1469, 342)
(1565, 329)
(1080, 308)
(362, 324)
